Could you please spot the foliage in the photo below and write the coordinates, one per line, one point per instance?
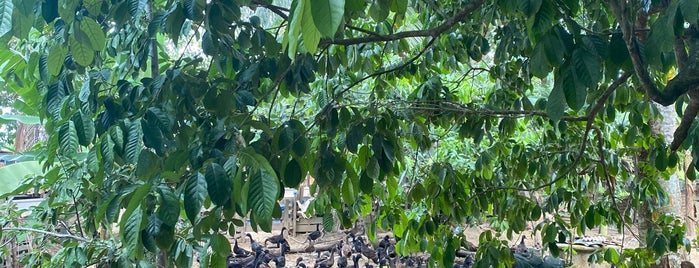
(358, 94)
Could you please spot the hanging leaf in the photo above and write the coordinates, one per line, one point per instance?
(136, 8)
(262, 196)
(327, 15)
(133, 143)
(556, 104)
(218, 184)
(94, 32)
(587, 67)
(57, 55)
(311, 35)
(68, 139)
(82, 53)
(85, 128)
(169, 209)
(293, 174)
(194, 196)
(131, 230)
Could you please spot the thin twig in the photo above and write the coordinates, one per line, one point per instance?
(432, 32)
(54, 234)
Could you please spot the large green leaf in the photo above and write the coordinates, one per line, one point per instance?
(294, 29)
(133, 144)
(6, 8)
(264, 186)
(68, 139)
(24, 119)
(57, 55)
(11, 176)
(131, 231)
(194, 196)
(82, 52)
(94, 32)
(262, 196)
(587, 67)
(169, 209)
(218, 184)
(556, 104)
(327, 15)
(690, 10)
(311, 35)
(85, 128)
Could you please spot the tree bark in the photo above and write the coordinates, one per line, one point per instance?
(673, 186)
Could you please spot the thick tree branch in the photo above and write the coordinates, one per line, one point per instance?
(57, 235)
(665, 97)
(432, 32)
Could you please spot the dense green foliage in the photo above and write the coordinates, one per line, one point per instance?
(429, 114)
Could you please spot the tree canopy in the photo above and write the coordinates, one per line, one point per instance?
(171, 120)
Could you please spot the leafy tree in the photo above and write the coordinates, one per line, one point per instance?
(363, 95)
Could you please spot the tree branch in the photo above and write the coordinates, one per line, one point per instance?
(671, 93)
(57, 235)
(432, 32)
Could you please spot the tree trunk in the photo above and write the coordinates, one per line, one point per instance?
(673, 186)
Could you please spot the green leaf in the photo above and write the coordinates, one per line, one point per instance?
(82, 53)
(107, 151)
(94, 32)
(373, 170)
(169, 209)
(348, 192)
(133, 143)
(93, 6)
(689, 9)
(218, 184)
(68, 139)
(194, 196)
(327, 15)
(366, 184)
(57, 56)
(148, 165)
(85, 128)
(293, 174)
(556, 104)
(12, 176)
(575, 93)
(311, 35)
(136, 8)
(294, 29)
(24, 119)
(131, 230)
(538, 63)
(529, 7)
(6, 8)
(220, 245)
(587, 68)
(263, 186)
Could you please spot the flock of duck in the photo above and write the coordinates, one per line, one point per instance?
(354, 250)
(350, 251)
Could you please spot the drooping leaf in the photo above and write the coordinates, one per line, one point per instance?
(264, 189)
(169, 209)
(94, 32)
(68, 139)
(57, 55)
(218, 184)
(556, 104)
(82, 52)
(194, 195)
(293, 174)
(134, 141)
(85, 128)
(311, 35)
(131, 230)
(327, 15)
